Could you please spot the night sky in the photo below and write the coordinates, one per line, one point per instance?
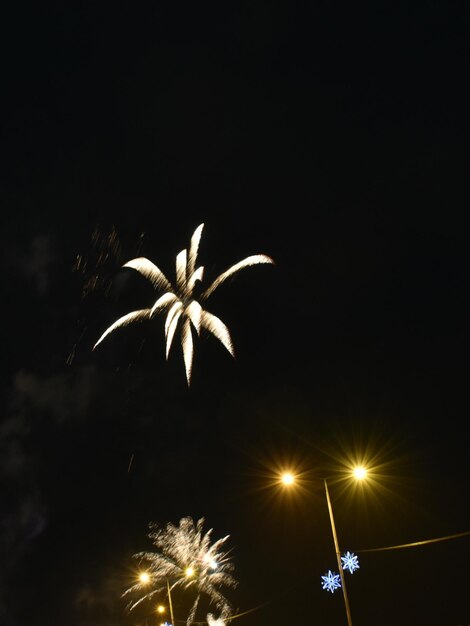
(332, 137)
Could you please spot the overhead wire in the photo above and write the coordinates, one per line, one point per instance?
(415, 543)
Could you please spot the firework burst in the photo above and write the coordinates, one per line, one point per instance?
(179, 302)
(186, 559)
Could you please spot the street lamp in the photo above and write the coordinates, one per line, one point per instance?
(338, 554)
(170, 602)
(359, 473)
(145, 578)
(161, 609)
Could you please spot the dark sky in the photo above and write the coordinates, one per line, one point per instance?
(332, 137)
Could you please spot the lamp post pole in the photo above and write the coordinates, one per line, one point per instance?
(338, 554)
(170, 603)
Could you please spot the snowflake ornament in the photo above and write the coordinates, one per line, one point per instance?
(331, 581)
(350, 562)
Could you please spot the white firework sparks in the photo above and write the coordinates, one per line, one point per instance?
(185, 559)
(212, 621)
(179, 302)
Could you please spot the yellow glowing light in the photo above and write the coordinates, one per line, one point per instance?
(360, 473)
(288, 478)
(144, 577)
(189, 572)
(160, 608)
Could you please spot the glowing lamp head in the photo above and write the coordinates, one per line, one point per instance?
(288, 479)
(359, 473)
(160, 609)
(144, 578)
(189, 572)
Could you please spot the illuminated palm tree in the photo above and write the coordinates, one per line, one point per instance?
(179, 301)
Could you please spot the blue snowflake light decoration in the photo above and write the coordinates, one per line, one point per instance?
(350, 562)
(331, 581)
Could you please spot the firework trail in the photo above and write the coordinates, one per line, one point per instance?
(185, 559)
(96, 267)
(179, 302)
